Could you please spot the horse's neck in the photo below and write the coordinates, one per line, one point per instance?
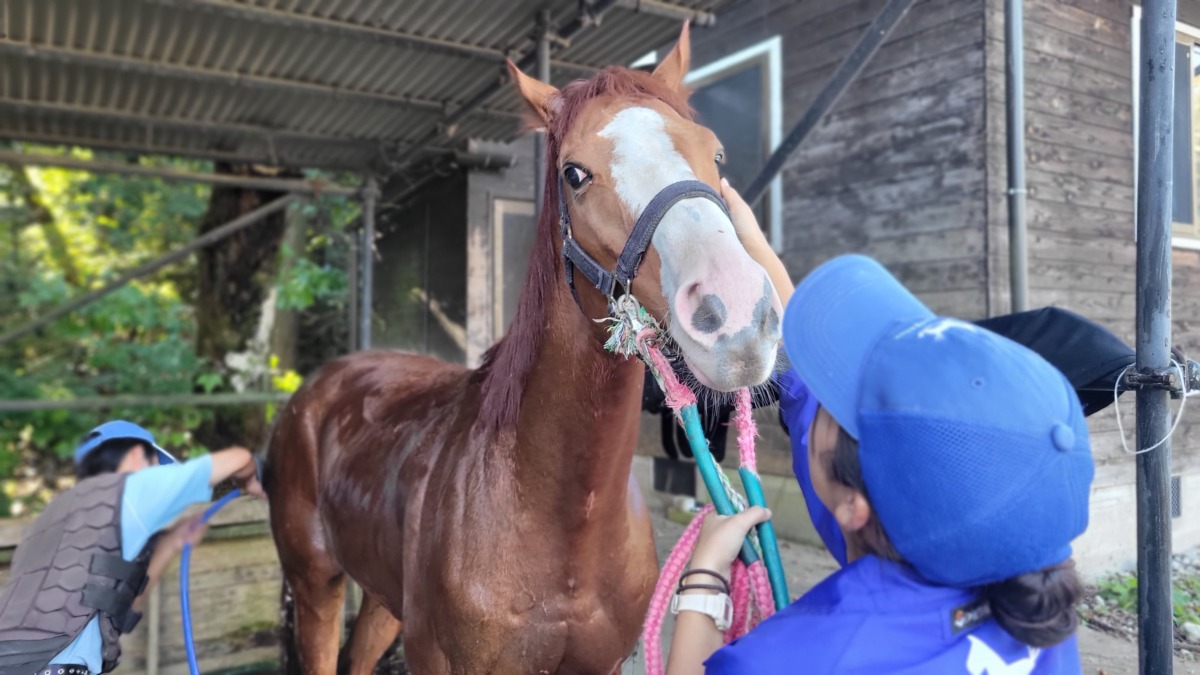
(579, 420)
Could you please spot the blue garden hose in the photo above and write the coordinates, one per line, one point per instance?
(184, 600)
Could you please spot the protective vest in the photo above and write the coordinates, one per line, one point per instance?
(67, 570)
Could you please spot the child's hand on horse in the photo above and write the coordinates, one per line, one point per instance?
(744, 221)
(250, 486)
(721, 539)
(246, 479)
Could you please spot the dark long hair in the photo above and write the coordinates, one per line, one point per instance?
(1036, 608)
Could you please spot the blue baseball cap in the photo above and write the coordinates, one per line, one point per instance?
(974, 450)
(119, 429)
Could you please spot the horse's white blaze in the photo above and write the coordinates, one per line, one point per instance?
(644, 161)
(726, 343)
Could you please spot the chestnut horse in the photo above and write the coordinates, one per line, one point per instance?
(490, 514)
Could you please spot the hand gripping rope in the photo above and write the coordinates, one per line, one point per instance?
(756, 592)
(184, 598)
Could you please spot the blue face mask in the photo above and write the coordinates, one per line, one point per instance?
(797, 409)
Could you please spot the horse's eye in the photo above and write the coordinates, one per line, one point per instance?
(576, 177)
(719, 159)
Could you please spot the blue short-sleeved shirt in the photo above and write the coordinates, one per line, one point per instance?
(876, 616)
(152, 498)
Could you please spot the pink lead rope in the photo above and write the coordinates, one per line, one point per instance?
(749, 609)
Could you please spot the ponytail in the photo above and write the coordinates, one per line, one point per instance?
(1038, 608)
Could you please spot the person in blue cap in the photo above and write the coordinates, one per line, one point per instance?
(946, 468)
(83, 566)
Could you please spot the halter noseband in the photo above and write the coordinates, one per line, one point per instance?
(635, 246)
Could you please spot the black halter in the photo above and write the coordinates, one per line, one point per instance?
(635, 246)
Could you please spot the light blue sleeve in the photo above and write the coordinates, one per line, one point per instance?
(86, 650)
(156, 496)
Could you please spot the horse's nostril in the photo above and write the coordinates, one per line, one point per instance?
(710, 315)
(770, 324)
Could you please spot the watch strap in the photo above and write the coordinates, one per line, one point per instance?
(716, 606)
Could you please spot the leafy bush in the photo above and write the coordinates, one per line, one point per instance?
(1122, 591)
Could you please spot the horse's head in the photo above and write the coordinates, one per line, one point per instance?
(616, 142)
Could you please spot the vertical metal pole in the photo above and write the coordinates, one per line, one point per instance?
(154, 630)
(352, 276)
(1014, 84)
(369, 196)
(1154, 198)
(539, 141)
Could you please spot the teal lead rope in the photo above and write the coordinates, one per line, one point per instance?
(634, 332)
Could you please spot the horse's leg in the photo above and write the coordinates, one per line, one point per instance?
(375, 629)
(313, 574)
(318, 597)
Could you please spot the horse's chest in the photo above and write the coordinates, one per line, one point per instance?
(589, 636)
(517, 628)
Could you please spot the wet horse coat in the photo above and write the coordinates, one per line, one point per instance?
(490, 514)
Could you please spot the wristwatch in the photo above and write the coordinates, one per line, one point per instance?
(719, 607)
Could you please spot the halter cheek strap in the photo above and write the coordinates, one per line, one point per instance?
(574, 257)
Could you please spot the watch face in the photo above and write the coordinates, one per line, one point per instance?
(727, 619)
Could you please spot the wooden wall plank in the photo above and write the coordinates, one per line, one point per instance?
(1057, 41)
(896, 169)
(944, 25)
(1068, 104)
(1050, 69)
(1078, 189)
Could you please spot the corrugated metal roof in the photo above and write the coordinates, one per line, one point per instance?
(312, 83)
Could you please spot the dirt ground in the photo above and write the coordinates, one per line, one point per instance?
(1102, 653)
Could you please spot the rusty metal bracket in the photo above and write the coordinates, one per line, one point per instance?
(1166, 378)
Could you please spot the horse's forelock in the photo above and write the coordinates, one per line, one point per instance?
(506, 366)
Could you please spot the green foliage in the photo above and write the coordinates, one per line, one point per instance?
(303, 283)
(135, 340)
(1122, 591)
(139, 340)
(1186, 599)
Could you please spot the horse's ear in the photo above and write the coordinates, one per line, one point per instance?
(675, 66)
(542, 98)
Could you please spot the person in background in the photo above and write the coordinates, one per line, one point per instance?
(948, 469)
(83, 566)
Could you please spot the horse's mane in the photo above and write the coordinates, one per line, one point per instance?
(506, 366)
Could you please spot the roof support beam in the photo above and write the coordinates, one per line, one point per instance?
(588, 17)
(669, 10)
(358, 31)
(250, 182)
(196, 73)
(150, 147)
(150, 122)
